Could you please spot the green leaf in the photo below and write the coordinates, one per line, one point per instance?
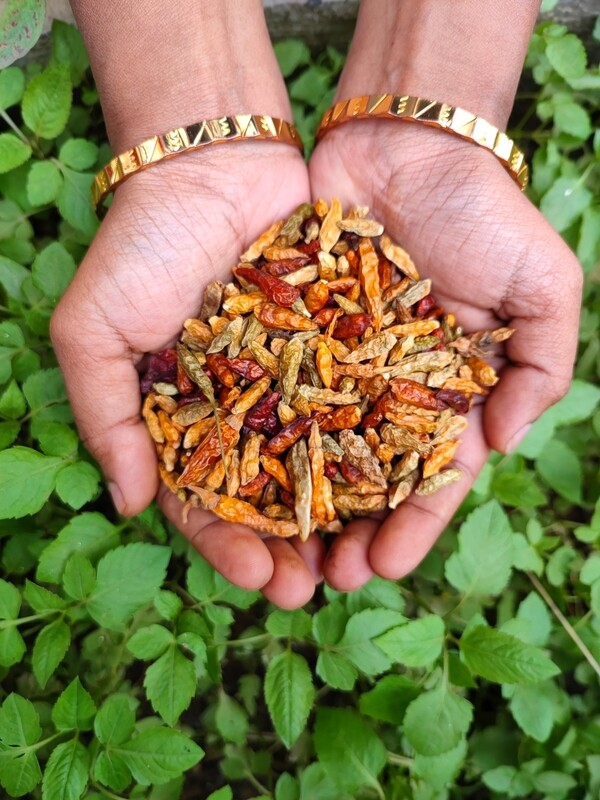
(13, 152)
(44, 388)
(357, 643)
(79, 154)
(19, 776)
(170, 684)
(12, 86)
(349, 750)
(377, 593)
(77, 484)
(439, 771)
(415, 644)
(12, 276)
(150, 642)
(47, 102)
(115, 721)
(26, 480)
(43, 183)
(518, 489)
(158, 755)
(289, 693)
(112, 771)
(66, 773)
(533, 709)
(8, 433)
(11, 335)
(573, 119)
(389, 698)
(133, 574)
(50, 647)
(21, 24)
(79, 577)
(42, 599)
(483, 562)
(75, 202)
(291, 54)
(90, 534)
(74, 709)
(564, 202)
(437, 720)
(56, 439)
(168, 604)
(291, 624)
(12, 647)
(287, 788)
(561, 470)
(329, 622)
(567, 55)
(68, 49)
(502, 658)
(224, 793)
(335, 669)
(10, 600)
(53, 270)
(19, 722)
(231, 719)
(12, 402)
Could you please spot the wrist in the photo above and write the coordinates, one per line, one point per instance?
(441, 49)
(157, 70)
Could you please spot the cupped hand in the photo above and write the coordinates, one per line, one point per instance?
(493, 261)
(169, 231)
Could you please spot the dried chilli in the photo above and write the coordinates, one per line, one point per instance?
(324, 382)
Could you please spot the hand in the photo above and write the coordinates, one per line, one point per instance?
(170, 230)
(494, 261)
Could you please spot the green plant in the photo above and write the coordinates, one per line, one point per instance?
(130, 669)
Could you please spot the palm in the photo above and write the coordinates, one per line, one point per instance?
(493, 260)
(171, 230)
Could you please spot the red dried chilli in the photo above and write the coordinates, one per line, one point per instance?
(333, 383)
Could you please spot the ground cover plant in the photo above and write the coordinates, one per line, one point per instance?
(130, 669)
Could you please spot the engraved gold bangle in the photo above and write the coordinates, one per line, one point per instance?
(184, 140)
(438, 115)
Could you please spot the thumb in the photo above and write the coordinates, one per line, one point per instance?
(103, 388)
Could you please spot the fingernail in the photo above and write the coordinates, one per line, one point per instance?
(117, 497)
(518, 437)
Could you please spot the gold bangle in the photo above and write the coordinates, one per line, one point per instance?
(184, 140)
(438, 115)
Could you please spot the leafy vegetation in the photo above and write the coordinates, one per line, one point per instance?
(130, 669)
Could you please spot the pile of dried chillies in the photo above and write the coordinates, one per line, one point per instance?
(323, 383)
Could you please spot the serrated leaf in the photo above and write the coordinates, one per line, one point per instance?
(573, 118)
(292, 624)
(44, 388)
(168, 604)
(289, 693)
(8, 433)
(483, 562)
(158, 755)
(561, 469)
(564, 202)
(12, 402)
(42, 599)
(50, 647)
(115, 721)
(377, 593)
(224, 793)
(231, 719)
(329, 622)
(56, 439)
(66, 773)
(12, 86)
(74, 709)
(90, 534)
(291, 54)
(26, 480)
(132, 573)
(567, 55)
(19, 721)
(77, 484)
(389, 698)
(437, 720)
(13, 152)
(170, 684)
(112, 771)
(53, 270)
(12, 647)
(10, 600)
(47, 102)
(43, 183)
(21, 24)
(12, 276)
(150, 641)
(75, 204)
(502, 658)
(78, 154)
(335, 670)
(415, 644)
(533, 709)
(69, 49)
(20, 776)
(349, 750)
(357, 644)
(518, 489)
(79, 577)
(439, 771)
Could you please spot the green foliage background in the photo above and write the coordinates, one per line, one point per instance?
(129, 669)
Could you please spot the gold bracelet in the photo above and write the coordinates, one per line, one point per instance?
(439, 115)
(184, 140)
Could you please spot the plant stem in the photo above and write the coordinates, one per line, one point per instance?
(14, 127)
(398, 760)
(585, 652)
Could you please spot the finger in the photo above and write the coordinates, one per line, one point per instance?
(103, 388)
(292, 584)
(347, 564)
(541, 351)
(233, 550)
(409, 533)
(313, 553)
